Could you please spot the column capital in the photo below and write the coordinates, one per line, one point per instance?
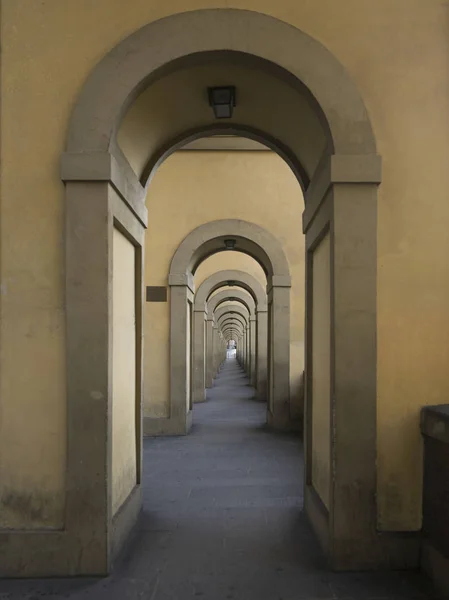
(181, 279)
(338, 169)
(103, 166)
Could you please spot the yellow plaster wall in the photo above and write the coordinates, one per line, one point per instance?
(124, 450)
(321, 328)
(252, 186)
(396, 52)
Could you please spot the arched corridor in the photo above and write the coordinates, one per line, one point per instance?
(223, 519)
(191, 175)
(310, 112)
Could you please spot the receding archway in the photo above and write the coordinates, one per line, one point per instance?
(200, 243)
(254, 288)
(226, 316)
(244, 298)
(231, 277)
(247, 300)
(103, 193)
(102, 102)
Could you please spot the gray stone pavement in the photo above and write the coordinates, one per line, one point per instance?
(223, 520)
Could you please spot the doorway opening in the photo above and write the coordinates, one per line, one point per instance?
(141, 102)
(317, 123)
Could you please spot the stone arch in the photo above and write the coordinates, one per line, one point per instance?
(147, 53)
(231, 328)
(244, 131)
(233, 324)
(232, 312)
(236, 278)
(230, 334)
(254, 361)
(232, 320)
(209, 238)
(232, 315)
(263, 247)
(259, 331)
(237, 296)
(102, 190)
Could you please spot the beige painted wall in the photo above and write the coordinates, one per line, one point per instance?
(377, 41)
(321, 370)
(124, 450)
(253, 186)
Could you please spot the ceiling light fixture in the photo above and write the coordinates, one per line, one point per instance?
(230, 244)
(222, 101)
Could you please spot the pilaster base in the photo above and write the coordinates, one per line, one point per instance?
(376, 551)
(167, 426)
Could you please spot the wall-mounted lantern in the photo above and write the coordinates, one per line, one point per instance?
(222, 100)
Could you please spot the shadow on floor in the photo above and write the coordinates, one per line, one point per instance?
(223, 520)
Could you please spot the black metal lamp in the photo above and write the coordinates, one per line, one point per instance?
(230, 244)
(222, 100)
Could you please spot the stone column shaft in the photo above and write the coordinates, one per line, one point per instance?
(253, 337)
(279, 358)
(354, 355)
(199, 335)
(209, 353)
(262, 355)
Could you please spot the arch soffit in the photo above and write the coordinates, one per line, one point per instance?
(233, 310)
(241, 296)
(233, 315)
(230, 335)
(142, 57)
(234, 323)
(161, 154)
(232, 326)
(208, 239)
(227, 277)
(232, 331)
(235, 319)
